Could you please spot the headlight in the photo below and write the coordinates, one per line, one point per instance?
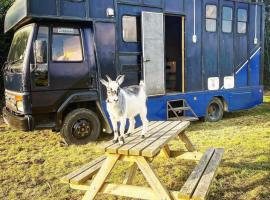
(19, 106)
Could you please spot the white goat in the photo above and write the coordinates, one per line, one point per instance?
(123, 104)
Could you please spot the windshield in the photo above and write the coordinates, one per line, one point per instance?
(18, 46)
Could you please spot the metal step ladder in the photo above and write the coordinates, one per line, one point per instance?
(177, 111)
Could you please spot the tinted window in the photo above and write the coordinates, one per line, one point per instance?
(66, 45)
(227, 16)
(131, 29)
(242, 21)
(211, 18)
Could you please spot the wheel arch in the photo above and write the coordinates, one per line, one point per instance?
(224, 102)
(89, 100)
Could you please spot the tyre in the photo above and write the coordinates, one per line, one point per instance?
(215, 110)
(81, 126)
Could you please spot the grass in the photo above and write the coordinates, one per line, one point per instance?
(32, 163)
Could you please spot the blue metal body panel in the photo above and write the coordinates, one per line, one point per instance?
(214, 54)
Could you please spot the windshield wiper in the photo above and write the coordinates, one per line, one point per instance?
(8, 65)
(15, 61)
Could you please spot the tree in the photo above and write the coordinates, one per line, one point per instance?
(5, 40)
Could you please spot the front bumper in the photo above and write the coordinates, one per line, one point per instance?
(24, 123)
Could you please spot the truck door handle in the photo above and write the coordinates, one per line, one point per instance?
(146, 60)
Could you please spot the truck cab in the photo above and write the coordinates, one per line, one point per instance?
(51, 76)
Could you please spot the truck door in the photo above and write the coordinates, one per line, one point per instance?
(63, 71)
(153, 53)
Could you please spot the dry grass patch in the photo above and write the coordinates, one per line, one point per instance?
(32, 163)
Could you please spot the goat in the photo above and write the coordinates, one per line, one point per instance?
(123, 104)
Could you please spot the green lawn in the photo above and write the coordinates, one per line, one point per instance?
(32, 163)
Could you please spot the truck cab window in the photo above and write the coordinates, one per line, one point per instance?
(131, 28)
(66, 45)
(211, 18)
(227, 17)
(41, 68)
(242, 21)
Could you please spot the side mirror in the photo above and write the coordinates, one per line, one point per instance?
(40, 51)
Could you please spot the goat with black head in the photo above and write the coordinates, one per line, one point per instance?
(125, 103)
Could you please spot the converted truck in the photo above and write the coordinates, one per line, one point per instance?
(198, 58)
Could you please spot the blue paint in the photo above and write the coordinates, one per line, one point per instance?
(255, 63)
(241, 76)
(236, 99)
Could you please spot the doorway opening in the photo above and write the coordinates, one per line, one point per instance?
(174, 53)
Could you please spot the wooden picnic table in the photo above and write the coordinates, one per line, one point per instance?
(140, 153)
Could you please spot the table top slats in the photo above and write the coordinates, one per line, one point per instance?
(154, 148)
(157, 136)
(136, 150)
(110, 144)
(114, 147)
(123, 150)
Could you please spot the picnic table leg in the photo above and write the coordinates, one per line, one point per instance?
(148, 172)
(130, 174)
(188, 144)
(101, 176)
(166, 151)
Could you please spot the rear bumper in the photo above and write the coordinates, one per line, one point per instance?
(24, 123)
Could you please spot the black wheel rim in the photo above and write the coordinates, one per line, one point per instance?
(214, 111)
(81, 129)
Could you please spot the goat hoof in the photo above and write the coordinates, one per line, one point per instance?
(121, 140)
(114, 141)
(128, 134)
(142, 136)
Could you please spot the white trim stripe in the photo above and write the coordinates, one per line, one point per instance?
(242, 67)
(255, 53)
(247, 61)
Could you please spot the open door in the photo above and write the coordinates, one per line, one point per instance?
(153, 53)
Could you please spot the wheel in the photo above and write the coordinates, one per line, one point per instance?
(81, 126)
(215, 110)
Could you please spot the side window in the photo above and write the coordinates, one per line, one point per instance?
(211, 18)
(242, 21)
(66, 45)
(227, 17)
(131, 28)
(41, 69)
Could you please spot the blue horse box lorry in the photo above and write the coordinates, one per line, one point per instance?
(197, 58)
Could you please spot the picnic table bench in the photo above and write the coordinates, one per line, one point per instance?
(140, 153)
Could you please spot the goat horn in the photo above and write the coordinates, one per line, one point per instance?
(109, 79)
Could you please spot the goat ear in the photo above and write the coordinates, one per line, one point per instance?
(105, 83)
(120, 79)
(109, 79)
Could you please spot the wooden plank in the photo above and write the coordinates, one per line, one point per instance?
(166, 151)
(130, 174)
(114, 148)
(136, 150)
(185, 155)
(137, 136)
(137, 130)
(148, 172)
(190, 185)
(101, 176)
(67, 178)
(125, 150)
(188, 144)
(154, 149)
(86, 175)
(203, 187)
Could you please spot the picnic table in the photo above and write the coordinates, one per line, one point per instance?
(140, 153)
